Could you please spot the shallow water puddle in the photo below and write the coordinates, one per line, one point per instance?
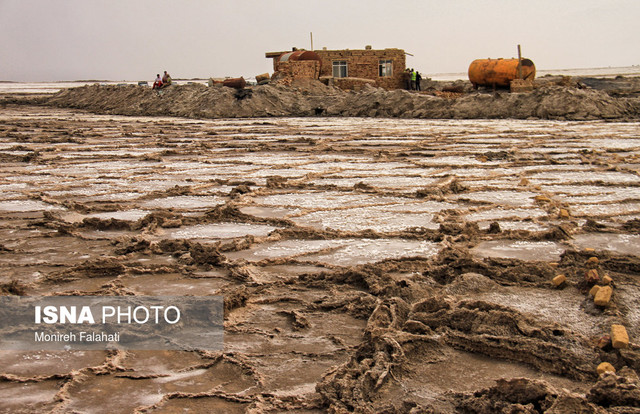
(83, 285)
(621, 195)
(459, 371)
(184, 202)
(583, 177)
(323, 200)
(268, 212)
(27, 205)
(32, 396)
(157, 184)
(609, 143)
(278, 172)
(297, 375)
(229, 377)
(271, 328)
(287, 249)
(115, 196)
(370, 251)
(508, 198)
(98, 394)
(169, 284)
(564, 307)
(617, 243)
(378, 219)
(547, 251)
(390, 182)
(342, 252)
(604, 210)
(514, 225)
(503, 214)
(126, 215)
(204, 232)
(455, 160)
(65, 251)
(95, 190)
(202, 404)
(32, 363)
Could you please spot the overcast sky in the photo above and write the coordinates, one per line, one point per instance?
(48, 40)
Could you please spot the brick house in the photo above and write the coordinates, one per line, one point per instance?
(346, 68)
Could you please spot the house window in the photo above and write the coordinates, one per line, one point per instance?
(385, 68)
(340, 69)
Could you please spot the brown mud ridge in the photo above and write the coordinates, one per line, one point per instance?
(569, 100)
(367, 265)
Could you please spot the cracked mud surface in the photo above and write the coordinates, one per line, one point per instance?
(367, 265)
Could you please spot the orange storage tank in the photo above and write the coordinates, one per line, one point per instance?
(499, 72)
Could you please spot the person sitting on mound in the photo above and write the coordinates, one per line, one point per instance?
(157, 84)
(166, 79)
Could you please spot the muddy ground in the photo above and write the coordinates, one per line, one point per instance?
(367, 265)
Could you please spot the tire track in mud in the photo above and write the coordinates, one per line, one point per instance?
(366, 265)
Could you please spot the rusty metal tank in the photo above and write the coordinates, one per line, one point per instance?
(299, 55)
(499, 72)
(263, 77)
(237, 83)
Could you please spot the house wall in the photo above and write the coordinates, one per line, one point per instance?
(365, 64)
(362, 64)
(302, 69)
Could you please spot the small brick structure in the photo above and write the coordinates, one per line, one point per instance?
(303, 69)
(347, 69)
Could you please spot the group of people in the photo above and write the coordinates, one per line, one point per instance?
(412, 79)
(163, 82)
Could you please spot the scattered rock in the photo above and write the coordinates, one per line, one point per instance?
(619, 336)
(603, 296)
(605, 367)
(621, 389)
(591, 276)
(593, 260)
(559, 280)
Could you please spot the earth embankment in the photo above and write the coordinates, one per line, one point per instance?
(311, 98)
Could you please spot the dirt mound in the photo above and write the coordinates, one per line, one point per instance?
(550, 102)
(617, 392)
(312, 98)
(195, 101)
